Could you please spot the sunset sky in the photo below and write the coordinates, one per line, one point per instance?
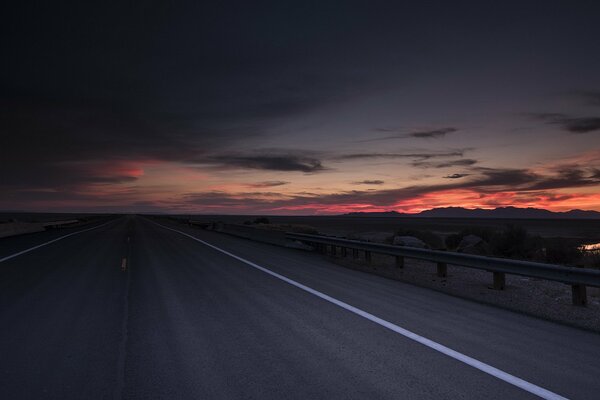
(299, 107)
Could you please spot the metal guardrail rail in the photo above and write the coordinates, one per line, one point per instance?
(578, 278)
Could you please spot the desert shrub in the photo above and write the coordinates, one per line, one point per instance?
(560, 251)
(261, 220)
(430, 238)
(296, 228)
(482, 231)
(452, 241)
(592, 259)
(309, 230)
(515, 242)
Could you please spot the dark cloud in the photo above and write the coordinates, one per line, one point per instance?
(456, 176)
(494, 178)
(220, 199)
(271, 162)
(525, 180)
(266, 184)
(112, 179)
(581, 125)
(425, 134)
(565, 177)
(465, 162)
(433, 133)
(370, 182)
(409, 155)
(590, 98)
(569, 123)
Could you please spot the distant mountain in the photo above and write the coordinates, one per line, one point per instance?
(501, 212)
(376, 214)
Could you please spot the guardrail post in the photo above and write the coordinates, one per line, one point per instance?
(344, 251)
(333, 250)
(354, 253)
(579, 293)
(442, 270)
(499, 280)
(368, 257)
(399, 262)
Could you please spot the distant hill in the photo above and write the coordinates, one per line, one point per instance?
(501, 212)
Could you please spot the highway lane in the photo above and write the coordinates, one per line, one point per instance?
(61, 309)
(556, 357)
(14, 244)
(186, 321)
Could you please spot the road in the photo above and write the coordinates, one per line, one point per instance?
(180, 319)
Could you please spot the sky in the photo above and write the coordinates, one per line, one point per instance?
(305, 107)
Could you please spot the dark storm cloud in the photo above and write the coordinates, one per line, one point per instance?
(270, 162)
(267, 184)
(50, 142)
(456, 176)
(425, 134)
(570, 124)
(370, 182)
(166, 83)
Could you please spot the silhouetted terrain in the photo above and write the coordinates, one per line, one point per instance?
(587, 230)
(501, 212)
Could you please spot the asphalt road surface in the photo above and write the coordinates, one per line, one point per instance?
(135, 310)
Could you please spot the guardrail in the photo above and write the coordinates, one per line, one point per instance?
(275, 237)
(578, 278)
(19, 228)
(60, 224)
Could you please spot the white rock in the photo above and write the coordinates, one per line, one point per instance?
(473, 244)
(469, 240)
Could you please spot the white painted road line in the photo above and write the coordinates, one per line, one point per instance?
(488, 369)
(50, 242)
